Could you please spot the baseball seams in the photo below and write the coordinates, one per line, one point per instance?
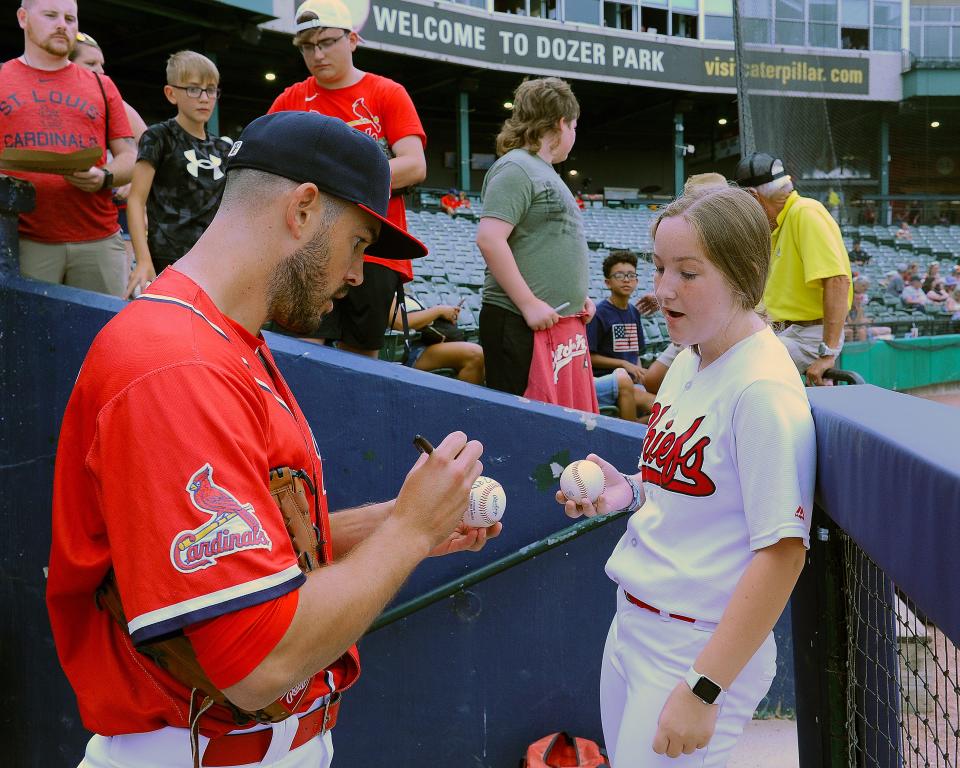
(487, 503)
(582, 480)
(578, 479)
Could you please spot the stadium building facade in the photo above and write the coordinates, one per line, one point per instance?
(857, 96)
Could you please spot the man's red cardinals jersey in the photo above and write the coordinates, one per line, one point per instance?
(376, 105)
(162, 473)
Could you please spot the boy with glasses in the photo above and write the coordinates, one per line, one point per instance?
(178, 178)
(615, 333)
(383, 110)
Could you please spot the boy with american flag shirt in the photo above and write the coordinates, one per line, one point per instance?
(615, 333)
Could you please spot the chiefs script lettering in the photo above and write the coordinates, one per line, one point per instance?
(673, 461)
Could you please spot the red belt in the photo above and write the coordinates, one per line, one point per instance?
(252, 746)
(642, 604)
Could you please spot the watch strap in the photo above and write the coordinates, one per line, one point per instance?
(637, 501)
(703, 687)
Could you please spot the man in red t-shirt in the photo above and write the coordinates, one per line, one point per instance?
(72, 236)
(383, 110)
(177, 423)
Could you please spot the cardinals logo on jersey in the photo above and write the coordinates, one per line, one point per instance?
(232, 527)
(675, 461)
(366, 121)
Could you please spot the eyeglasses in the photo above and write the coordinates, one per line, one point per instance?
(308, 49)
(624, 275)
(194, 91)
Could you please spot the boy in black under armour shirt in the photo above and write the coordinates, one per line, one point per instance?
(178, 178)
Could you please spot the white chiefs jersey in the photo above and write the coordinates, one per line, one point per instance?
(728, 468)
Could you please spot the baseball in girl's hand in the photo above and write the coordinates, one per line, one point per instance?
(582, 480)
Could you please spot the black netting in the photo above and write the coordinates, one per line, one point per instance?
(903, 694)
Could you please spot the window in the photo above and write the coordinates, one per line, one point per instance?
(936, 42)
(684, 5)
(886, 13)
(756, 9)
(518, 7)
(718, 27)
(823, 10)
(755, 30)
(885, 39)
(854, 39)
(620, 16)
(855, 13)
(718, 7)
(653, 20)
(684, 25)
(823, 35)
(789, 32)
(789, 9)
(916, 40)
(584, 11)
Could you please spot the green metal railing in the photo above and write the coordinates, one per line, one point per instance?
(492, 569)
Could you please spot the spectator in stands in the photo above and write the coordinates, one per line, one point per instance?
(382, 109)
(933, 274)
(615, 334)
(72, 235)
(913, 295)
(87, 53)
(904, 234)
(809, 291)
(530, 233)
(893, 282)
(860, 328)
(454, 202)
(937, 293)
(857, 254)
(956, 271)
(952, 304)
(464, 357)
(616, 389)
(178, 178)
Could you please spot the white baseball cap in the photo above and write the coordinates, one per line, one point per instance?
(329, 13)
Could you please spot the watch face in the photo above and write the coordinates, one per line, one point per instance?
(706, 690)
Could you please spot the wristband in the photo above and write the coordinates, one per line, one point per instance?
(637, 500)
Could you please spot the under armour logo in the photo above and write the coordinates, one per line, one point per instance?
(209, 164)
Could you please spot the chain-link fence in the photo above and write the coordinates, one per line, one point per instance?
(903, 684)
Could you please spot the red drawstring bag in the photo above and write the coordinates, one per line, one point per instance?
(561, 750)
(560, 371)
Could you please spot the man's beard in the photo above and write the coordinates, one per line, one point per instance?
(57, 45)
(299, 291)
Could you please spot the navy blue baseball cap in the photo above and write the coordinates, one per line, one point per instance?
(757, 169)
(340, 160)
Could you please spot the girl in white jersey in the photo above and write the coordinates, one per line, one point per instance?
(722, 501)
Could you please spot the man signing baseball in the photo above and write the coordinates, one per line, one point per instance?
(194, 628)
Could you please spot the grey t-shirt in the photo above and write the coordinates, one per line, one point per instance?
(547, 241)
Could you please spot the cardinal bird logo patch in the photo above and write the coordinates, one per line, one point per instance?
(231, 527)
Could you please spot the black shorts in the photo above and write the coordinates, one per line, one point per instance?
(507, 343)
(361, 317)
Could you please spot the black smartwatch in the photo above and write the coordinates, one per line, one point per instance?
(703, 687)
(107, 178)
